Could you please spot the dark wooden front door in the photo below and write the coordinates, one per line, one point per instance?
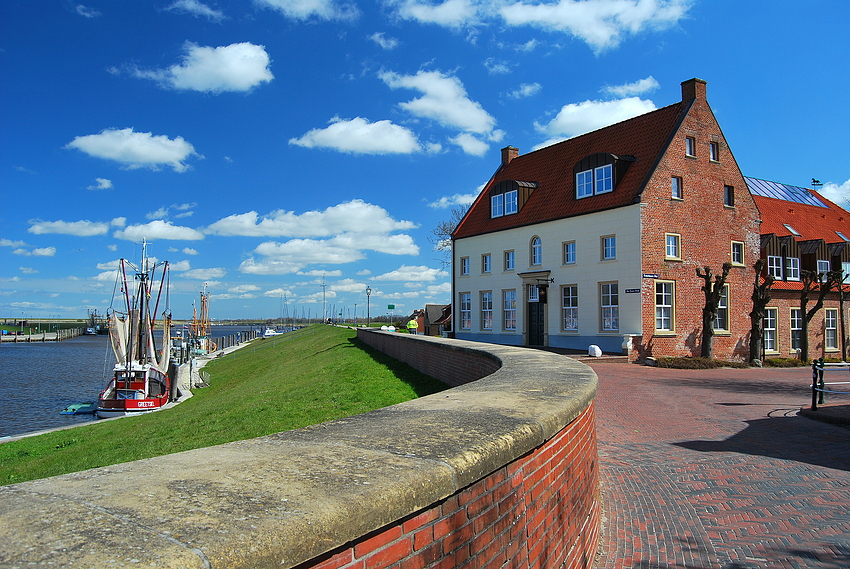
(536, 312)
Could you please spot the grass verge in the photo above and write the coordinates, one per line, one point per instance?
(290, 381)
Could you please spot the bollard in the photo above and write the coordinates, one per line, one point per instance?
(817, 383)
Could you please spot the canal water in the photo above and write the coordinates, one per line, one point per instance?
(38, 380)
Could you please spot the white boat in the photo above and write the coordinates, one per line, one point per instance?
(140, 381)
(271, 332)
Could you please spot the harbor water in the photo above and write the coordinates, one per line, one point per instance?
(38, 380)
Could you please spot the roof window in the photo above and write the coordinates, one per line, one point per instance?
(792, 230)
(599, 173)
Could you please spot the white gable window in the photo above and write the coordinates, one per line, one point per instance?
(823, 266)
(792, 268)
(595, 181)
(497, 205)
(774, 266)
(584, 184)
(604, 179)
(511, 202)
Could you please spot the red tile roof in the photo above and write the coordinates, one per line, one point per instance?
(811, 222)
(645, 137)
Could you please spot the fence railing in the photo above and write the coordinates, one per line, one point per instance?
(819, 387)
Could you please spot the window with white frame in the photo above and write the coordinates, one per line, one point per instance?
(845, 271)
(770, 320)
(486, 310)
(721, 319)
(466, 310)
(584, 184)
(497, 205)
(569, 306)
(609, 248)
(536, 251)
(796, 328)
(714, 151)
(823, 266)
(511, 202)
(509, 309)
(830, 329)
(677, 188)
(610, 304)
(595, 181)
(673, 243)
(486, 263)
(533, 293)
(690, 146)
(464, 266)
(737, 253)
(774, 266)
(664, 305)
(792, 268)
(509, 260)
(569, 253)
(604, 179)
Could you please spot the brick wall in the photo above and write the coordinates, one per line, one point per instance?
(542, 510)
(707, 227)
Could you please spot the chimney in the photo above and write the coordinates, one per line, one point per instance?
(693, 89)
(508, 154)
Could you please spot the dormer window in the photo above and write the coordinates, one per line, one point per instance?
(599, 173)
(842, 236)
(508, 197)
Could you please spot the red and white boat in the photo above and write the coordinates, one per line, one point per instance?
(140, 381)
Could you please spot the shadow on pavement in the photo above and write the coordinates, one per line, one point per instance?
(786, 438)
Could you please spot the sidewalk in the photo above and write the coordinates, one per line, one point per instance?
(719, 469)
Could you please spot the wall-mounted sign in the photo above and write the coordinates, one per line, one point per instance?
(632, 290)
(650, 276)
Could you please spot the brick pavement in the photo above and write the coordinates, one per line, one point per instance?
(716, 469)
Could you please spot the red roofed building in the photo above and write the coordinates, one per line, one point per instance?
(801, 231)
(596, 240)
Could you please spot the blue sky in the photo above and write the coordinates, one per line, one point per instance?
(269, 147)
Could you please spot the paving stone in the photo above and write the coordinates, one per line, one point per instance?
(717, 469)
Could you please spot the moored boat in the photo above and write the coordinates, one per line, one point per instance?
(86, 408)
(140, 381)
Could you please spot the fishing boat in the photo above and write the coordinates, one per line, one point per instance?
(140, 381)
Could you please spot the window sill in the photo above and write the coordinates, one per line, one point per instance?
(664, 334)
(739, 265)
(674, 259)
(677, 199)
(722, 333)
(691, 156)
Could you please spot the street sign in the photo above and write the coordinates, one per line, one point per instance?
(391, 307)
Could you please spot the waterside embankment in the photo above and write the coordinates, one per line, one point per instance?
(499, 469)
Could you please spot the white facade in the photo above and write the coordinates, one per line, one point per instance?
(602, 319)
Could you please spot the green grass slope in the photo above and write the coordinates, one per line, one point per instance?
(286, 382)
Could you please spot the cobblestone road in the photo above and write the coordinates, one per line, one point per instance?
(715, 469)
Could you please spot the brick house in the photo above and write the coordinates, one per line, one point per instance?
(801, 231)
(595, 240)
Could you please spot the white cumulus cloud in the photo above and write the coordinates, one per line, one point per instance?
(353, 216)
(304, 9)
(525, 90)
(197, 9)
(450, 14)
(204, 274)
(234, 67)
(84, 228)
(382, 40)
(579, 118)
(158, 229)
(602, 24)
(101, 184)
(443, 99)
(409, 273)
(136, 149)
(631, 89)
(359, 136)
(453, 200)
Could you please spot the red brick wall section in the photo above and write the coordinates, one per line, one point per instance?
(540, 511)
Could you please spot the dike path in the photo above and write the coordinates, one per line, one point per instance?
(718, 469)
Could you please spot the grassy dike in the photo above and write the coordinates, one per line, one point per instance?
(286, 382)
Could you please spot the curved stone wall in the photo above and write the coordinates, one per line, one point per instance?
(499, 471)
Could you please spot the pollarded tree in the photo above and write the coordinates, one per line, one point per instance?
(761, 297)
(713, 290)
(822, 283)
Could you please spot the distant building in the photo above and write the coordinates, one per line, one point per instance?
(596, 240)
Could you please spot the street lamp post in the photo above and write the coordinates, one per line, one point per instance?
(355, 315)
(368, 314)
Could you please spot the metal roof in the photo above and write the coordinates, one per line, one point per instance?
(779, 191)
